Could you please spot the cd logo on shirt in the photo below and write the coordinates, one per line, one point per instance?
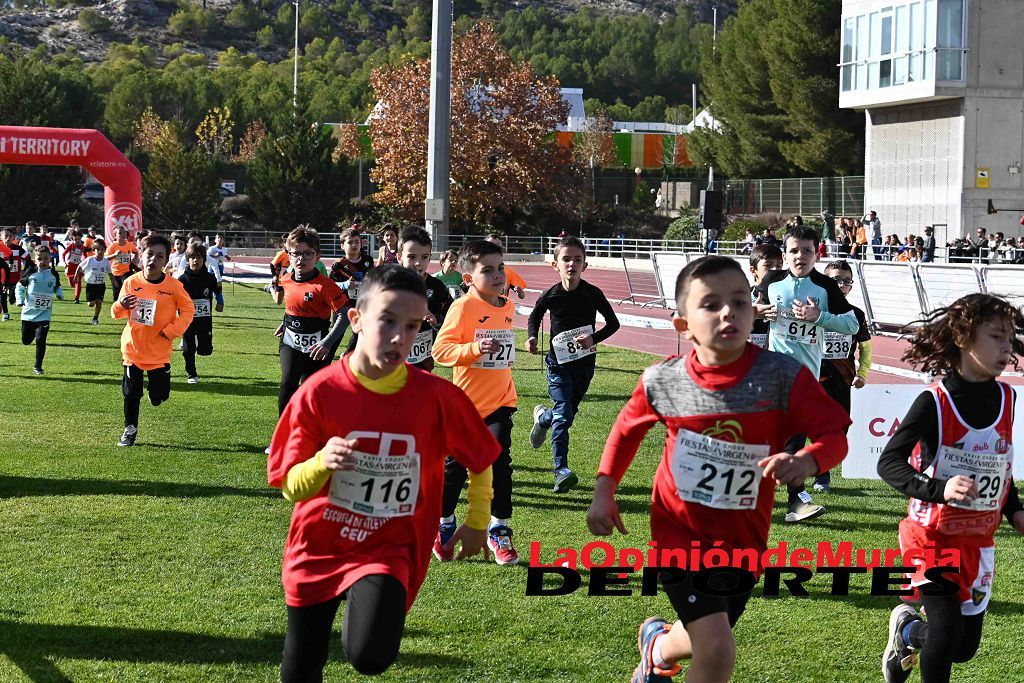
(308, 296)
(1002, 446)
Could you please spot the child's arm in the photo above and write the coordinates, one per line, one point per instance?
(863, 364)
(1012, 508)
(633, 423)
(20, 293)
(186, 312)
(611, 321)
(449, 348)
(304, 480)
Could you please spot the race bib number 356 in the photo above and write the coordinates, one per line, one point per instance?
(301, 342)
(715, 473)
(503, 356)
(379, 486)
(565, 347)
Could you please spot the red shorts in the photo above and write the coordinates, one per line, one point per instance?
(977, 563)
(71, 270)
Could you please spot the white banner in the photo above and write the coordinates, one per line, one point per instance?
(877, 410)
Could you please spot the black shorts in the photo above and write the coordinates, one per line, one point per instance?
(95, 292)
(691, 604)
(34, 331)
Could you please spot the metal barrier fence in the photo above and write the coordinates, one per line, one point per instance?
(892, 295)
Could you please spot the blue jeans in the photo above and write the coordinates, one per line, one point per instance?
(567, 385)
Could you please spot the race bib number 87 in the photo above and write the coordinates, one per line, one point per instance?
(379, 486)
(503, 356)
(715, 473)
(565, 347)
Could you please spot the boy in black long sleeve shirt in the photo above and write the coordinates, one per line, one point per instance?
(574, 305)
(201, 285)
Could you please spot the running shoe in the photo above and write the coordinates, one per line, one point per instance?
(565, 479)
(898, 659)
(444, 534)
(128, 438)
(645, 671)
(193, 380)
(539, 431)
(77, 301)
(7, 316)
(803, 508)
(37, 371)
(499, 540)
(94, 321)
(823, 483)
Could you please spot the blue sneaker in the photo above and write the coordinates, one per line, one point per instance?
(899, 659)
(444, 534)
(646, 672)
(565, 479)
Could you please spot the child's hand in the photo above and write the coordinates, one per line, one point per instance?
(531, 345)
(279, 332)
(339, 454)
(858, 382)
(788, 468)
(603, 516)
(585, 341)
(473, 541)
(489, 345)
(219, 308)
(1018, 521)
(130, 301)
(431, 319)
(808, 311)
(318, 351)
(761, 310)
(521, 292)
(769, 312)
(960, 489)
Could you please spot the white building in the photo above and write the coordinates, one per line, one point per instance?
(941, 83)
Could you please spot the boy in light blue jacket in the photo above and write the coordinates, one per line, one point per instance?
(34, 294)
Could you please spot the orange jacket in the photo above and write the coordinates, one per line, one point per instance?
(165, 311)
(120, 256)
(468, 319)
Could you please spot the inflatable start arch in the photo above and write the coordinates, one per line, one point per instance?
(90, 149)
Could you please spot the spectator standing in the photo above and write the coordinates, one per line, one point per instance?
(874, 226)
(928, 245)
(979, 244)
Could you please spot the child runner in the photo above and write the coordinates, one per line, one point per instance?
(122, 254)
(449, 274)
(388, 253)
(763, 259)
(200, 284)
(74, 254)
(217, 255)
(349, 272)
(35, 293)
(95, 270)
(309, 298)
(414, 251)
(478, 341)
(804, 305)
(952, 455)
(14, 253)
(279, 265)
(571, 359)
(839, 372)
(514, 280)
(367, 488)
(158, 309)
(177, 262)
(729, 408)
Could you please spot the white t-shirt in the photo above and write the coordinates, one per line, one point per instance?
(95, 270)
(180, 264)
(215, 255)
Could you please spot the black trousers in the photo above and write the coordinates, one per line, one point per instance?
(131, 387)
(296, 367)
(455, 475)
(115, 283)
(37, 332)
(198, 339)
(948, 636)
(371, 632)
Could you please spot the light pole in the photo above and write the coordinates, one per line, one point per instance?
(295, 81)
(435, 211)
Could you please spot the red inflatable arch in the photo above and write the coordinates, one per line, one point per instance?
(90, 149)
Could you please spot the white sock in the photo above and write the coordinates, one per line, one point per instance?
(498, 522)
(656, 657)
(448, 520)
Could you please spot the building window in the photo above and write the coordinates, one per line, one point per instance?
(950, 40)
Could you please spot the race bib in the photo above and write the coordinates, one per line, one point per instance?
(504, 356)
(837, 345)
(379, 486)
(456, 292)
(789, 328)
(990, 472)
(123, 257)
(301, 341)
(202, 308)
(144, 312)
(44, 301)
(74, 259)
(565, 347)
(353, 290)
(715, 473)
(15, 265)
(95, 277)
(760, 340)
(421, 347)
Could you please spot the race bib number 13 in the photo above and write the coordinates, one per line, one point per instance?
(379, 486)
(715, 473)
(144, 312)
(503, 356)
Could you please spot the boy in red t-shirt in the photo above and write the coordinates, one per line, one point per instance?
(729, 408)
(367, 488)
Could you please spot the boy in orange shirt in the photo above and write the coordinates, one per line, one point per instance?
(121, 254)
(514, 282)
(478, 341)
(158, 309)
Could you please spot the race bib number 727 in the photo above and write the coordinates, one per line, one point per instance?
(503, 356)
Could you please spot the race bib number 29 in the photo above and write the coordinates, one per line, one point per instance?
(990, 472)
(718, 474)
(379, 486)
(503, 356)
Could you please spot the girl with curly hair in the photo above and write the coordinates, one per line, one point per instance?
(953, 457)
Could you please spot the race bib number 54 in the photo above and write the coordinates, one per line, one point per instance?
(379, 486)
(503, 356)
(715, 473)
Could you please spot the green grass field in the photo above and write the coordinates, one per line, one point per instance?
(161, 562)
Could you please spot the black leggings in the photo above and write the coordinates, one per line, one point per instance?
(131, 388)
(948, 637)
(296, 367)
(371, 632)
(500, 424)
(6, 296)
(36, 331)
